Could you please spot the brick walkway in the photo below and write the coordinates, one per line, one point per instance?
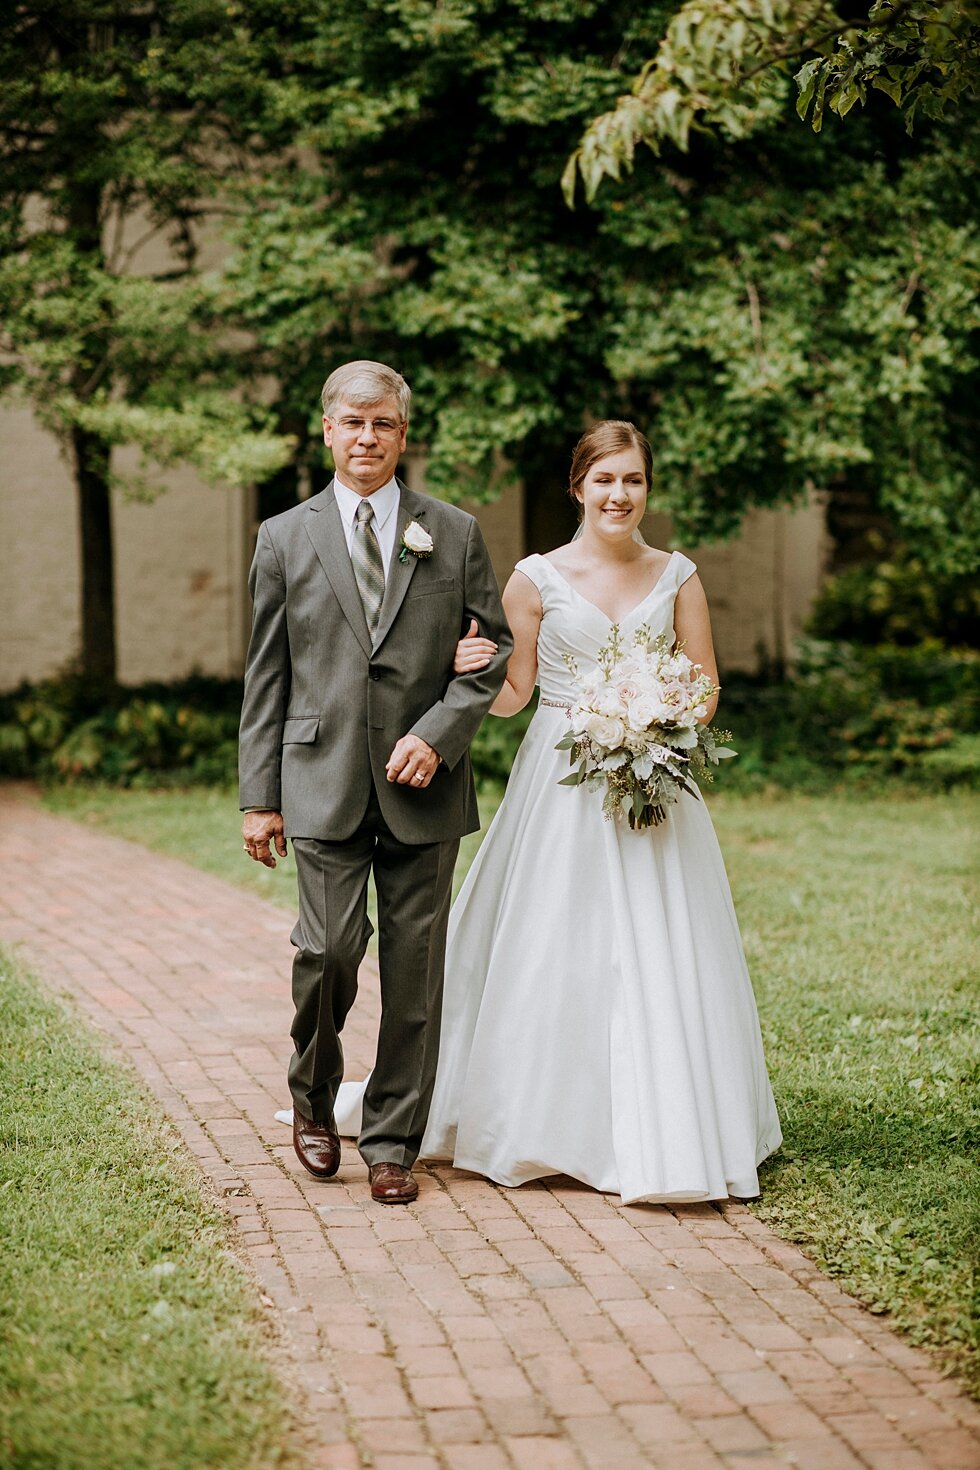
(544, 1328)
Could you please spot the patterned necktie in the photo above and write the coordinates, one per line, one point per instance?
(369, 572)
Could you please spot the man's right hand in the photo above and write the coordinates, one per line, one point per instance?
(260, 830)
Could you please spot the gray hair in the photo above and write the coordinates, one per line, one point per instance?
(364, 383)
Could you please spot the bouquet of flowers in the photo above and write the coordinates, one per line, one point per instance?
(636, 727)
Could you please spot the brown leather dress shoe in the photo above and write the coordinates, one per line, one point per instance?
(317, 1146)
(392, 1185)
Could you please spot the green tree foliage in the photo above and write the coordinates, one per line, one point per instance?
(778, 316)
(108, 142)
(721, 63)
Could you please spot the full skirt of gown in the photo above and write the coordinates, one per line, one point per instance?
(598, 1019)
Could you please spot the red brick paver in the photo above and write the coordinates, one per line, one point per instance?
(545, 1328)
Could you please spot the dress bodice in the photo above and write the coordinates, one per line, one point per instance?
(571, 625)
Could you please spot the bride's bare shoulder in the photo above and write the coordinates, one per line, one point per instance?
(562, 556)
(653, 561)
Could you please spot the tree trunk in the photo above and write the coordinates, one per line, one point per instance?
(91, 452)
(95, 518)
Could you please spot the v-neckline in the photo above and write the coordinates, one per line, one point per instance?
(613, 622)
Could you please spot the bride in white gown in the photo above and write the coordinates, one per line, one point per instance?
(598, 1018)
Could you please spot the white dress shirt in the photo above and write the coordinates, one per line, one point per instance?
(384, 503)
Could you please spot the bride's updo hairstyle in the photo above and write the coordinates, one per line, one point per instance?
(608, 436)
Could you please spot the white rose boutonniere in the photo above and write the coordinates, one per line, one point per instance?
(415, 539)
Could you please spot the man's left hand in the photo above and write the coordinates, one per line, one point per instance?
(412, 763)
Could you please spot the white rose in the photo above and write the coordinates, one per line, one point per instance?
(642, 711)
(607, 702)
(605, 731)
(417, 539)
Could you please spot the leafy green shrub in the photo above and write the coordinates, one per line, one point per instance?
(893, 734)
(147, 739)
(185, 733)
(955, 764)
(849, 710)
(862, 710)
(897, 600)
(181, 734)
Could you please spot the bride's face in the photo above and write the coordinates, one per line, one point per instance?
(614, 494)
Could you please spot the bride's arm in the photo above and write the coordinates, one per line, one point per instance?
(522, 604)
(692, 627)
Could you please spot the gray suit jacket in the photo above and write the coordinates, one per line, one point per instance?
(324, 706)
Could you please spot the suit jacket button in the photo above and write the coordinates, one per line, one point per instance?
(375, 674)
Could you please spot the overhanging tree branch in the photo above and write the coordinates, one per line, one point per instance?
(718, 65)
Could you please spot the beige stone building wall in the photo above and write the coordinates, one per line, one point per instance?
(181, 568)
(39, 614)
(760, 585)
(182, 564)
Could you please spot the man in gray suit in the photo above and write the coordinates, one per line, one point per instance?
(354, 739)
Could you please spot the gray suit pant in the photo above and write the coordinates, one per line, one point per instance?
(414, 887)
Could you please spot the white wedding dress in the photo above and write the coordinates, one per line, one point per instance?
(598, 1017)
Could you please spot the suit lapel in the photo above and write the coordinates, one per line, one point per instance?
(326, 531)
(400, 573)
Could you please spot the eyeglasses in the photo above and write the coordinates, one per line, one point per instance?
(383, 428)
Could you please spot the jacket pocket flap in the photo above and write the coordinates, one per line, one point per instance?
(429, 588)
(300, 729)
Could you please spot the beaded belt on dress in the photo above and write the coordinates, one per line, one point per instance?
(555, 703)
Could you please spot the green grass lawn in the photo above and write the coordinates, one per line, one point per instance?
(857, 913)
(859, 922)
(129, 1335)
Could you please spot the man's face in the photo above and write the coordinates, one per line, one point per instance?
(366, 443)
